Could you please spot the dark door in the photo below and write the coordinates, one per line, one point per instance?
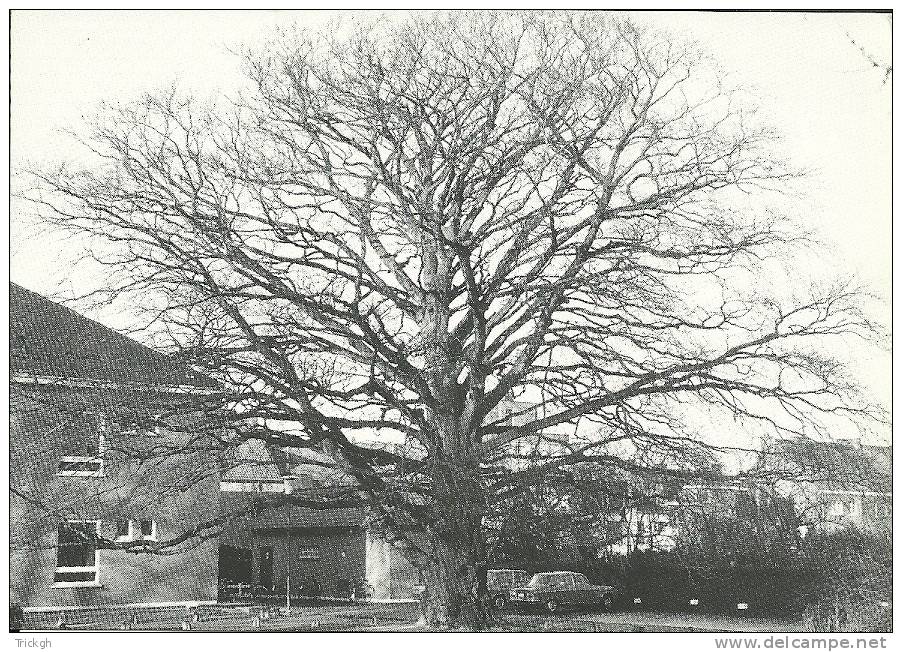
(266, 579)
(234, 565)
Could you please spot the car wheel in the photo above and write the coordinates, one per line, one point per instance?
(607, 601)
(500, 601)
(552, 606)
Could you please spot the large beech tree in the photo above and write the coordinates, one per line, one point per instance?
(395, 229)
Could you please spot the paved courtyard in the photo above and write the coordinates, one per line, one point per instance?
(388, 617)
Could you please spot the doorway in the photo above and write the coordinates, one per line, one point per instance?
(266, 568)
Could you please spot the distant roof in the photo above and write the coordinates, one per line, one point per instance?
(48, 339)
(833, 465)
(251, 461)
(242, 506)
(255, 461)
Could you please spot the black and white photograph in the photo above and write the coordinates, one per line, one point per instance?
(450, 321)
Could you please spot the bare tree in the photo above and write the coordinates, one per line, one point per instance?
(398, 229)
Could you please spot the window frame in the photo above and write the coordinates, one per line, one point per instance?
(95, 568)
(153, 529)
(308, 552)
(130, 535)
(97, 459)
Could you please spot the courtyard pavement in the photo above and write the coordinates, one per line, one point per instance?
(388, 617)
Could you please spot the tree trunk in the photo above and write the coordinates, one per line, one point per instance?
(455, 574)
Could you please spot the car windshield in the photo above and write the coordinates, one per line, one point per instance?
(540, 580)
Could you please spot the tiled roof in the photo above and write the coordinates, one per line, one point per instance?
(251, 462)
(254, 461)
(314, 479)
(48, 339)
(254, 512)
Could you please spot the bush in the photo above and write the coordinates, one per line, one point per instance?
(854, 586)
(664, 580)
(16, 618)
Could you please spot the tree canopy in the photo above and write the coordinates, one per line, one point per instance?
(400, 227)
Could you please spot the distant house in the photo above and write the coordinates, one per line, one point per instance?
(643, 526)
(834, 484)
(103, 464)
(799, 484)
(291, 544)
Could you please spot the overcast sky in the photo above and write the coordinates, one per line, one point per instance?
(816, 87)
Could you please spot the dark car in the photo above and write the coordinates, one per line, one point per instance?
(553, 591)
(500, 581)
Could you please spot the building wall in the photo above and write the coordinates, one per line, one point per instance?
(641, 530)
(834, 510)
(389, 575)
(338, 568)
(177, 489)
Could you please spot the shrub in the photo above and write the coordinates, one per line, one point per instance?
(16, 618)
(853, 588)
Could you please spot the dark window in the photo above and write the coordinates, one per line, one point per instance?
(84, 433)
(122, 529)
(87, 576)
(76, 553)
(146, 528)
(71, 465)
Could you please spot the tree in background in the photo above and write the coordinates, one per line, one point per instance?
(400, 226)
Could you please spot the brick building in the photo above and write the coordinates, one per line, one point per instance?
(103, 466)
(109, 466)
(328, 552)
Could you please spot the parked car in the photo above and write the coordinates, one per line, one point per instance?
(500, 581)
(559, 589)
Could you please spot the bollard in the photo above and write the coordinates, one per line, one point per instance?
(186, 626)
(61, 622)
(256, 622)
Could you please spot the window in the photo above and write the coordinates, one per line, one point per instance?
(86, 460)
(550, 580)
(123, 531)
(76, 553)
(149, 529)
(308, 553)
(132, 530)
